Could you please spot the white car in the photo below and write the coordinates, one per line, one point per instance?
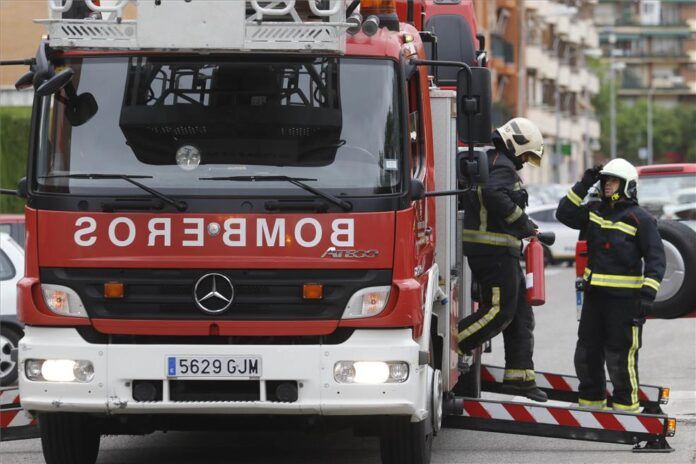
(563, 248)
(11, 330)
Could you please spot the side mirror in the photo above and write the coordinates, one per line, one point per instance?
(417, 190)
(472, 170)
(25, 81)
(80, 108)
(22, 188)
(474, 106)
(55, 83)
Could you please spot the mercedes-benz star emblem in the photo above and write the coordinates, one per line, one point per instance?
(213, 293)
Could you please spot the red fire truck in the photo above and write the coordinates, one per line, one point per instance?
(241, 213)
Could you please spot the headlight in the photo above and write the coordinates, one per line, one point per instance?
(367, 302)
(59, 370)
(63, 300)
(371, 372)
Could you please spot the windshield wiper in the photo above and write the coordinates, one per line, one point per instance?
(180, 205)
(298, 181)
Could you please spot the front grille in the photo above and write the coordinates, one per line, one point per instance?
(260, 294)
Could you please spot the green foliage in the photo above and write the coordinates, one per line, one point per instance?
(14, 142)
(673, 128)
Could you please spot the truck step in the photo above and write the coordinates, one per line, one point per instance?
(562, 422)
(15, 422)
(561, 387)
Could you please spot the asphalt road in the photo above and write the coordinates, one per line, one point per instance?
(668, 358)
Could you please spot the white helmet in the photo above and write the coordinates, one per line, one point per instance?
(521, 136)
(625, 171)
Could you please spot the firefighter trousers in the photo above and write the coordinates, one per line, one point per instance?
(502, 307)
(610, 333)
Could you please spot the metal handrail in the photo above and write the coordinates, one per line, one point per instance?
(289, 5)
(117, 7)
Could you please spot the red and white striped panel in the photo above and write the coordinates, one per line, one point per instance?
(602, 420)
(15, 418)
(569, 383)
(9, 396)
(12, 414)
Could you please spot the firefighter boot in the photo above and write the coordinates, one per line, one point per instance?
(527, 388)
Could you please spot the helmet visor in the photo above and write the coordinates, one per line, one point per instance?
(534, 159)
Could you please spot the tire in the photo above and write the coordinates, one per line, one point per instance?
(68, 438)
(405, 442)
(9, 340)
(676, 297)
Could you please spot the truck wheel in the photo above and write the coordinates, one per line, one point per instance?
(676, 297)
(9, 340)
(68, 438)
(405, 442)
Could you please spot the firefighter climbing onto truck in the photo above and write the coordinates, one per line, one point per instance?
(494, 224)
(619, 291)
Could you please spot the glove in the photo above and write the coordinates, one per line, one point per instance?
(591, 176)
(529, 229)
(645, 308)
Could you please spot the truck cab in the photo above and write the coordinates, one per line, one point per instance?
(241, 225)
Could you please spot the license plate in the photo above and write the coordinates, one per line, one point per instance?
(213, 366)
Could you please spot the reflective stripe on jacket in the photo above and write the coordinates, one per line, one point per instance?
(494, 217)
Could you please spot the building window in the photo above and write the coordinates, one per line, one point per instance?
(666, 46)
(502, 21)
(650, 12)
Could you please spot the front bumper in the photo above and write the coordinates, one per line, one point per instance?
(116, 366)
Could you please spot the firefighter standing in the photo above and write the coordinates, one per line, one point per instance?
(621, 236)
(494, 224)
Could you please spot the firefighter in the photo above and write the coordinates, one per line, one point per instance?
(494, 224)
(626, 263)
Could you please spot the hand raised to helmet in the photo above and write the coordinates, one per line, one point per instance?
(591, 176)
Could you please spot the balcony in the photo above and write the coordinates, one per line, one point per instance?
(664, 23)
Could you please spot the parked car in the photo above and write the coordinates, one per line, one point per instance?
(11, 330)
(13, 224)
(668, 191)
(563, 248)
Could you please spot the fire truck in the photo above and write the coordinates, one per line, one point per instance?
(244, 213)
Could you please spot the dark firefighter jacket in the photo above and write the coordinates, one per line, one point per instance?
(620, 236)
(494, 219)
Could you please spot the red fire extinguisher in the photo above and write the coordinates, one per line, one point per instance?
(534, 259)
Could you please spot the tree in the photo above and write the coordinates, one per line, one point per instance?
(673, 128)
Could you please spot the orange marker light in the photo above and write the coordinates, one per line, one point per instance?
(664, 395)
(377, 7)
(312, 291)
(113, 290)
(671, 427)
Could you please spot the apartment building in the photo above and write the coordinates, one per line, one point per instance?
(559, 85)
(539, 66)
(654, 42)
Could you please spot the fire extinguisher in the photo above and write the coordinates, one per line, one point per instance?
(534, 260)
(580, 282)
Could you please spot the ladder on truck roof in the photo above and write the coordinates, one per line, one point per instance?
(651, 426)
(205, 25)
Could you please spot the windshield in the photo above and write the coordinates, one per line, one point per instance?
(336, 120)
(669, 197)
